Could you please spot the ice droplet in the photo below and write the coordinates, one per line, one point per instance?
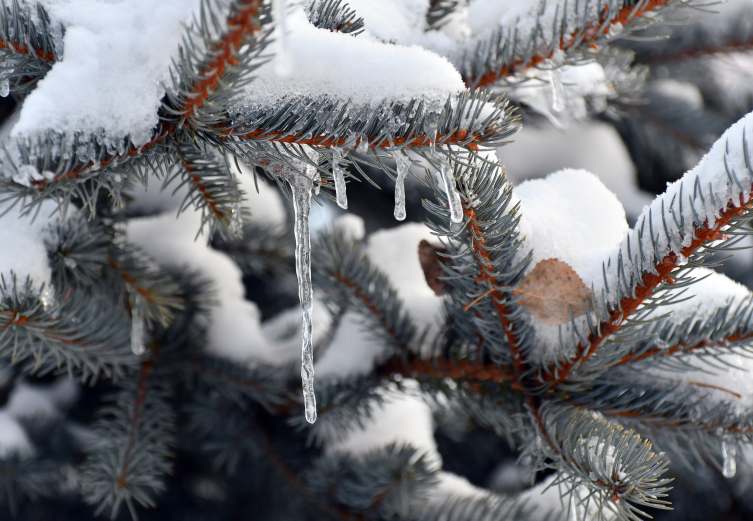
(729, 466)
(138, 328)
(47, 296)
(4, 88)
(559, 102)
(363, 145)
(339, 175)
(430, 127)
(403, 165)
(453, 197)
(69, 263)
(301, 186)
(283, 60)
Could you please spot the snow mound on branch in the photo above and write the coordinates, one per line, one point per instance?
(23, 238)
(115, 59)
(571, 216)
(347, 68)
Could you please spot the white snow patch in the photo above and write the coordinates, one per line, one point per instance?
(352, 352)
(13, 438)
(347, 68)
(115, 61)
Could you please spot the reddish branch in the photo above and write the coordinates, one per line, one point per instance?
(144, 292)
(704, 51)
(625, 15)
(629, 305)
(24, 49)
(681, 348)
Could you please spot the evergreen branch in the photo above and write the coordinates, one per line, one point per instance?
(212, 189)
(261, 248)
(24, 478)
(482, 506)
(438, 12)
(331, 15)
(83, 333)
(386, 483)
(498, 57)
(79, 253)
(618, 467)
(27, 49)
(134, 437)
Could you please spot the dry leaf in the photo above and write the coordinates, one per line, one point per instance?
(552, 287)
(427, 255)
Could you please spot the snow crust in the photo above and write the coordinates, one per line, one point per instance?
(115, 61)
(342, 67)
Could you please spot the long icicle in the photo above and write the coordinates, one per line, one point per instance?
(403, 164)
(301, 186)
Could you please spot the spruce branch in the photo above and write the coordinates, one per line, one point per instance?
(135, 433)
(505, 53)
(438, 13)
(27, 49)
(332, 15)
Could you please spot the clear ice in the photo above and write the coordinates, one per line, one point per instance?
(363, 145)
(4, 88)
(339, 175)
(301, 186)
(138, 328)
(403, 165)
(729, 466)
(453, 196)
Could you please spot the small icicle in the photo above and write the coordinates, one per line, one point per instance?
(301, 186)
(729, 467)
(138, 328)
(4, 88)
(430, 127)
(363, 145)
(339, 175)
(283, 60)
(453, 196)
(403, 165)
(559, 102)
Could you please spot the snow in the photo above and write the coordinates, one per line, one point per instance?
(24, 252)
(115, 62)
(571, 216)
(13, 439)
(234, 330)
(346, 68)
(395, 252)
(352, 352)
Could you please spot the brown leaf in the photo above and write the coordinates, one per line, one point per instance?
(552, 287)
(427, 255)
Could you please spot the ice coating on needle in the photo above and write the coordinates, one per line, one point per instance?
(339, 174)
(138, 328)
(116, 60)
(403, 165)
(450, 188)
(302, 187)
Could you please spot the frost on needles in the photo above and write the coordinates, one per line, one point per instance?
(145, 179)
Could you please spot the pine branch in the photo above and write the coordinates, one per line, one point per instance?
(79, 253)
(27, 50)
(83, 333)
(438, 12)
(333, 16)
(26, 479)
(498, 57)
(134, 436)
(212, 188)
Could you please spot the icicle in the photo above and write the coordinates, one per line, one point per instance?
(453, 196)
(283, 60)
(301, 186)
(403, 164)
(4, 88)
(138, 327)
(339, 175)
(363, 145)
(559, 102)
(729, 467)
(430, 127)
